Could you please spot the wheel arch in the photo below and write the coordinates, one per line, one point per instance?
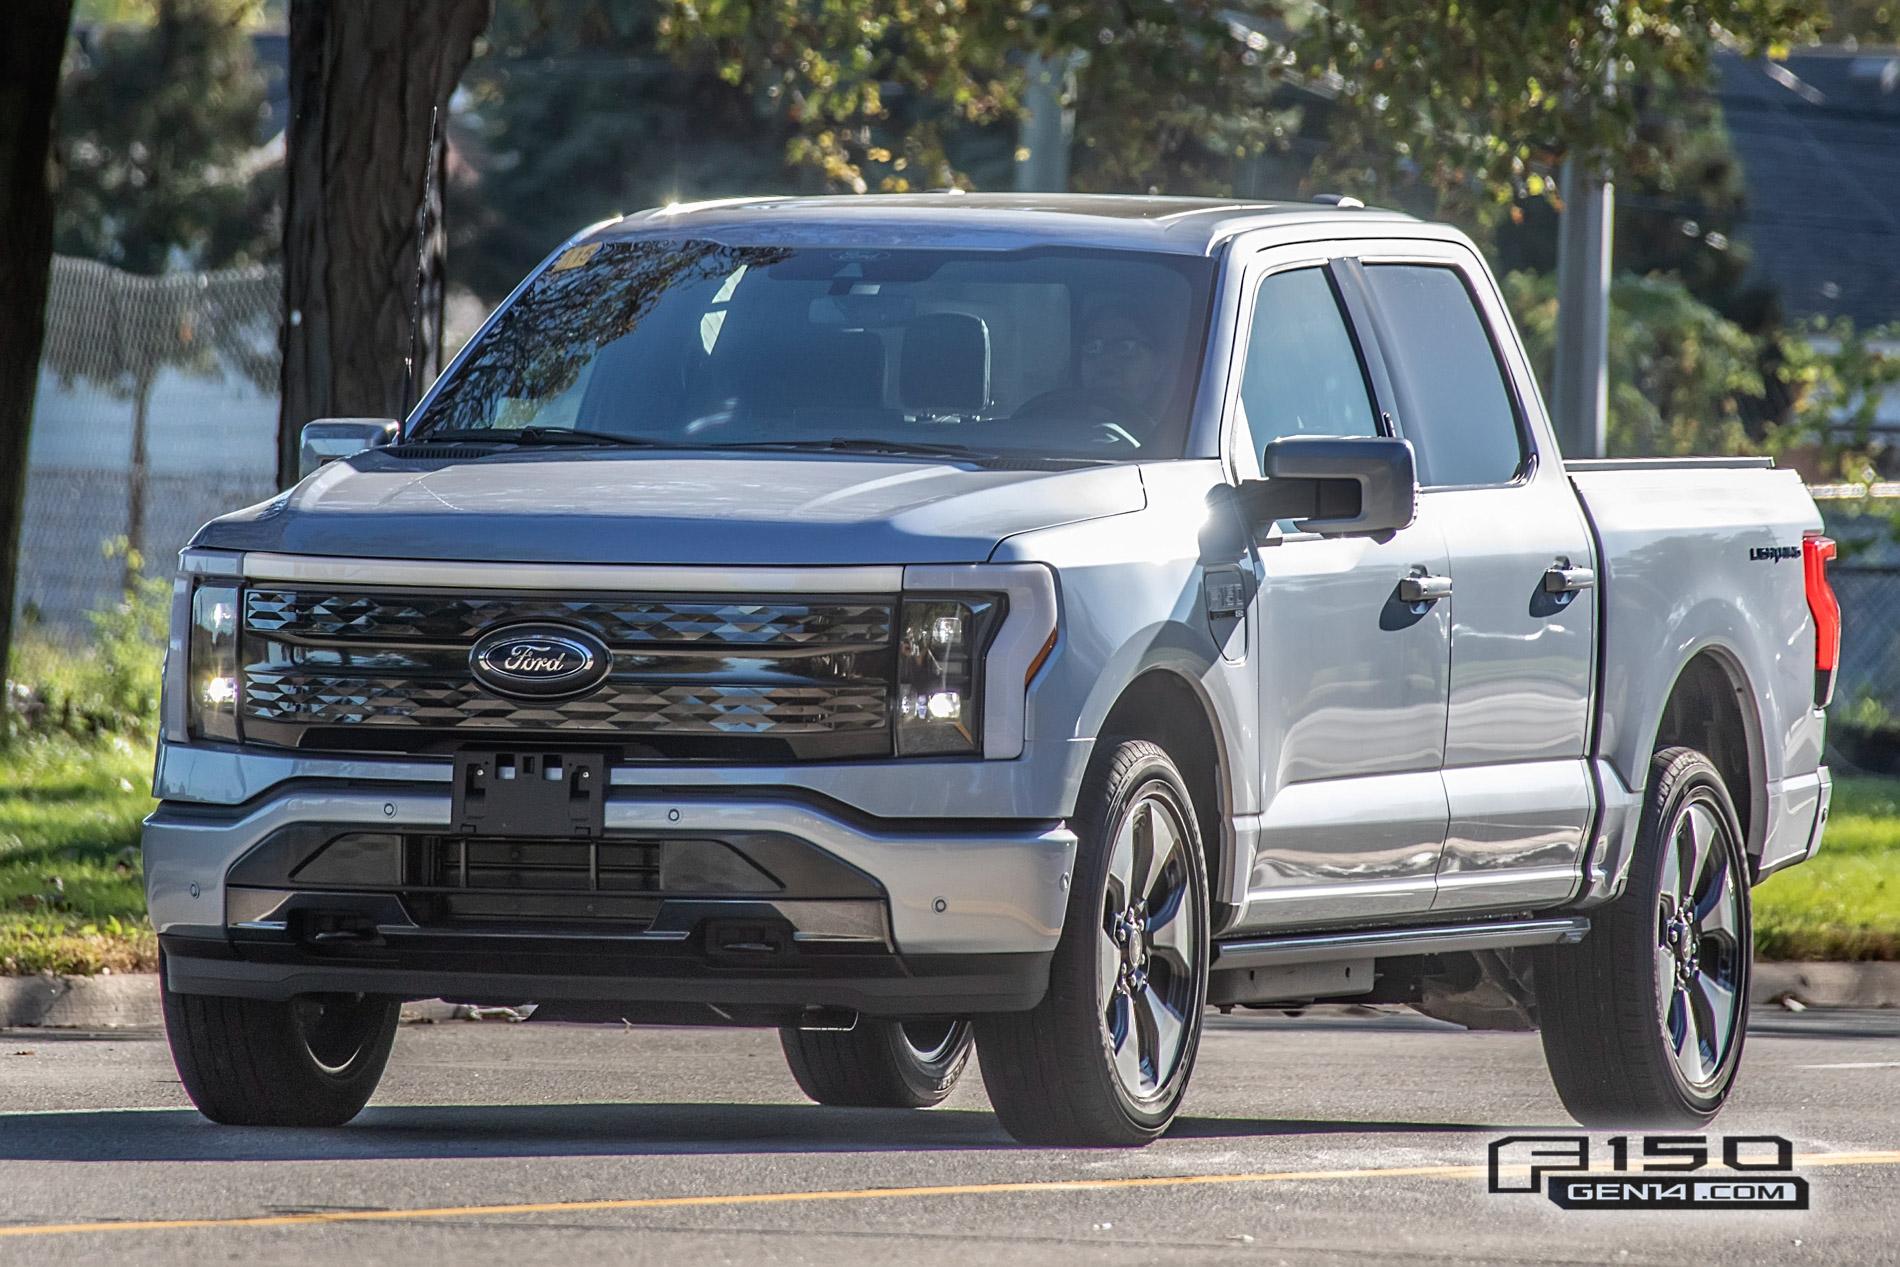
(1170, 708)
(1712, 707)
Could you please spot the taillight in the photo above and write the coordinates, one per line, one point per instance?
(1816, 551)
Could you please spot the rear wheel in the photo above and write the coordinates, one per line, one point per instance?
(1105, 1058)
(1643, 1021)
(313, 1061)
(880, 1064)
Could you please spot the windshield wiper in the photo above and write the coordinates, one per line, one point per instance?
(540, 435)
(846, 444)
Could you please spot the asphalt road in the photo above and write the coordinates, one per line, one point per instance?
(1324, 1139)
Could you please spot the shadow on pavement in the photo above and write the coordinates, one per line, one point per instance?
(400, 1132)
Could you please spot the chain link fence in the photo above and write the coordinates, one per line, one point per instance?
(156, 410)
(1870, 641)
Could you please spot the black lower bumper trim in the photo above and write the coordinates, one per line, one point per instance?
(874, 983)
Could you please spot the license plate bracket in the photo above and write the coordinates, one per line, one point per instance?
(532, 792)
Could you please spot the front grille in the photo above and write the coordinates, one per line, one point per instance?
(621, 621)
(690, 677)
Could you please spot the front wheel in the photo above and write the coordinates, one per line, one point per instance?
(1643, 1021)
(312, 1061)
(1105, 1058)
(879, 1064)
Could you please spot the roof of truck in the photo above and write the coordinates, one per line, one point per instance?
(1188, 226)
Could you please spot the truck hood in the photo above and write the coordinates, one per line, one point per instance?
(634, 508)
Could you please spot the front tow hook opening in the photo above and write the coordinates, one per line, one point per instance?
(327, 929)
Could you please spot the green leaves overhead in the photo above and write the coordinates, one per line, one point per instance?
(1480, 100)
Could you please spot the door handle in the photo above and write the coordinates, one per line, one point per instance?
(1423, 588)
(1564, 579)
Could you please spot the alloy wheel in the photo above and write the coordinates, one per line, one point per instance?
(1146, 950)
(1701, 958)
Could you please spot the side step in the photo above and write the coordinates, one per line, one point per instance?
(1378, 943)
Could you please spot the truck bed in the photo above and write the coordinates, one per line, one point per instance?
(1693, 558)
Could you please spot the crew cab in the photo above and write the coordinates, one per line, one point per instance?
(1020, 622)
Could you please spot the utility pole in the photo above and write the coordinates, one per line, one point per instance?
(1580, 389)
(1047, 128)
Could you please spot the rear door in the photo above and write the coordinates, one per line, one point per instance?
(1353, 683)
(1523, 605)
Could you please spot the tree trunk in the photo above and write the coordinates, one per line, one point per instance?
(32, 41)
(364, 77)
(137, 478)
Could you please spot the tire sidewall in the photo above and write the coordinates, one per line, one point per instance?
(931, 1080)
(1153, 772)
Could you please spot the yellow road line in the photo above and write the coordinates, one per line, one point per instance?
(1804, 1162)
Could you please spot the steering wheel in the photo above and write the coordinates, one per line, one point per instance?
(1069, 409)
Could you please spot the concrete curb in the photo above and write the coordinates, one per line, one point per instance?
(1827, 984)
(131, 1002)
(127, 1002)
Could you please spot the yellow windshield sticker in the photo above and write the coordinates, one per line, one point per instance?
(574, 257)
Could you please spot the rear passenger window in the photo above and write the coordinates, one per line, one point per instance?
(1456, 409)
(1303, 376)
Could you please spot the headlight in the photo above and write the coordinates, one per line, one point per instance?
(939, 679)
(211, 681)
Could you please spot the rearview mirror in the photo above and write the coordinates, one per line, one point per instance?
(327, 439)
(1337, 485)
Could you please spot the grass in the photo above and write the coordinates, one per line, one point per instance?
(1845, 902)
(72, 895)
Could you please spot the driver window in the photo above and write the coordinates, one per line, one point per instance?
(1302, 375)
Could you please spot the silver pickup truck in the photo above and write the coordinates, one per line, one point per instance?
(943, 622)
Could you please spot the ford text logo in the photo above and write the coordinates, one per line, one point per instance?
(539, 660)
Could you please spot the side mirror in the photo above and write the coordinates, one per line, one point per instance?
(328, 439)
(1337, 485)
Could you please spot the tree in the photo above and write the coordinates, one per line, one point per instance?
(32, 39)
(1479, 101)
(578, 95)
(157, 124)
(878, 89)
(1681, 375)
(366, 77)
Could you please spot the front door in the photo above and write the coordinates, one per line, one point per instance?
(1354, 682)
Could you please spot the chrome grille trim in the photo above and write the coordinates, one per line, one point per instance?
(620, 621)
(696, 708)
(361, 668)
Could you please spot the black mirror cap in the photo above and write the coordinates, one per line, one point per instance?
(1341, 485)
(327, 439)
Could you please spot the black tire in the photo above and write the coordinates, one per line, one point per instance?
(1625, 1013)
(1060, 1073)
(313, 1061)
(879, 1064)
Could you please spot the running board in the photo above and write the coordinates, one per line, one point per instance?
(1381, 943)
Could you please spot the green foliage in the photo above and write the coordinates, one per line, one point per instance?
(577, 96)
(1834, 376)
(1171, 91)
(1680, 373)
(71, 890)
(1686, 380)
(157, 124)
(1482, 99)
(112, 687)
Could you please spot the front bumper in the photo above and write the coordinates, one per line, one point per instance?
(968, 916)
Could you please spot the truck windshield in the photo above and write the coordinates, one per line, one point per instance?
(1055, 353)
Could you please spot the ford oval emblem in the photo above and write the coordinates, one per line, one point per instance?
(539, 661)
